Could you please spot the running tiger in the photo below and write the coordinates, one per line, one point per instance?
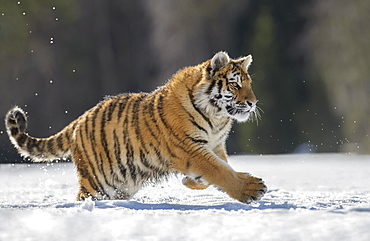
(129, 140)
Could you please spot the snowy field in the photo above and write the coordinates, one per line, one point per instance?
(310, 197)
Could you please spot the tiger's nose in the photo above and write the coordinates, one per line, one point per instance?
(252, 103)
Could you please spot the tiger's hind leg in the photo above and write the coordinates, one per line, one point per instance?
(86, 189)
(193, 183)
(88, 182)
(83, 194)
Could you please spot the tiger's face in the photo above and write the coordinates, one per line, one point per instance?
(227, 90)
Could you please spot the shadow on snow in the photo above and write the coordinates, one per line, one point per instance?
(134, 205)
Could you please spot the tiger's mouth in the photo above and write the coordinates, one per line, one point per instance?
(235, 110)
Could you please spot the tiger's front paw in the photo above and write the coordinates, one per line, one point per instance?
(193, 184)
(252, 189)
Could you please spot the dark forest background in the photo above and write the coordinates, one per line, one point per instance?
(311, 63)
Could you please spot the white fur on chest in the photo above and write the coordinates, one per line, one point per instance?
(219, 137)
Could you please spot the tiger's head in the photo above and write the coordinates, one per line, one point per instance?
(225, 89)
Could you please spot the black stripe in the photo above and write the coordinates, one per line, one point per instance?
(82, 170)
(192, 120)
(197, 140)
(156, 171)
(214, 103)
(96, 185)
(50, 146)
(31, 143)
(21, 139)
(159, 143)
(130, 162)
(126, 121)
(100, 189)
(67, 137)
(162, 116)
(198, 178)
(60, 142)
(11, 121)
(164, 164)
(135, 117)
(123, 170)
(122, 105)
(195, 152)
(111, 108)
(160, 110)
(117, 153)
(225, 134)
(103, 139)
(93, 145)
(39, 144)
(87, 126)
(198, 126)
(172, 132)
(191, 97)
(210, 87)
(92, 133)
(150, 130)
(144, 150)
(219, 85)
(106, 178)
(135, 171)
(169, 150)
(157, 152)
(151, 109)
(14, 131)
(144, 160)
(41, 147)
(224, 124)
(165, 123)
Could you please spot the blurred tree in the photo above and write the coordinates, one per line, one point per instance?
(28, 60)
(188, 32)
(60, 58)
(337, 43)
(279, 79)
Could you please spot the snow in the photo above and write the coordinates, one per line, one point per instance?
(310, 197)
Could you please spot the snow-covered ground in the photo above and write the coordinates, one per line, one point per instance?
(310, 197)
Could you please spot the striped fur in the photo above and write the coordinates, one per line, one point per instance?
(128, 140)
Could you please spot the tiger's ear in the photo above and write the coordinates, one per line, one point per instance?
(245, 62)
(219, 60)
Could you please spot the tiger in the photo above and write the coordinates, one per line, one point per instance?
(129, 140)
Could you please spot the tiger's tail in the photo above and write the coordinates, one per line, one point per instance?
(37, 149)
